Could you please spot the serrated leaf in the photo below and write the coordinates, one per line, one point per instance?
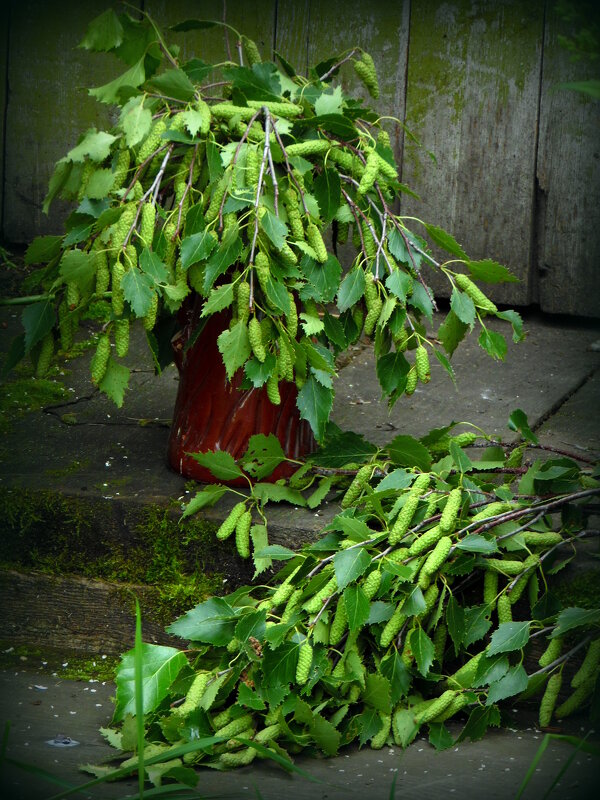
(329, 101)
(342, 447)
(415, 603)
(109, 92)
(514, 682)
(221, 464)
(477, 623)
(405, 727)
(451, 332)
(493, 343)
(252, 624)
(574, 618)
(392, 370)
(325, 735)
(369, 725)
(399, 284)
(490, 272)
(392, 667)
(351, 289)
(135, 120)
(115, 382)
(258, 373)
(323, 279)
(479, 721)
(203, 499)
(79, 268)
(315, 402)
(197, 247)
(279, 666)
(490, 670)
(406, 451)
(234, 346)
(275, 229)
(445, 241)
(43, 249)
(420, 298)
(212, 621)
(263, 455)
(327, 190)
(226, 254)
(152, 266)
(357, 607)
(38, 320)
(377, 693)
(99, 184)
(455, 621)
(463, 307)
(103, 33)
(311, 324)
(260, 540)
(518, 421)
(247, 698)
(218, 299)
(350, 565)
(173, 83)
(476, 543)
(461, 459)
(509, 636)
(95, 145)
(422, 649)
(193, 120)
(160, 667)
(59, 177)
(516, 321)
(274, 493)
(439, 736)
(138, 290)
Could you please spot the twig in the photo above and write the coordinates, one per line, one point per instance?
(291, 171)
(560, 660)
(338, 65)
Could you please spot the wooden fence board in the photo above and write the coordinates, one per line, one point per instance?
(4, 43)
(292, 34)
(569, 185)
(48, 107)
(473, 83)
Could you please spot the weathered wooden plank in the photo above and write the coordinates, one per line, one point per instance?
(48, 107)
(4, 41)
(255, 19)
(568, 175)
(291, 36)
(472, 99)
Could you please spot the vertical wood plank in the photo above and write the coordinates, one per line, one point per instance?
(472, 99)
(291, 36)
(48, 107)
(568, 255)
(4, 42)
(254, 18)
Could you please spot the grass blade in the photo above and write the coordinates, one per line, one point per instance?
(42, 773)
(536, 760)
(138, 660)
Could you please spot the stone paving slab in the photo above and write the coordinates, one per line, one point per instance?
(493, 767)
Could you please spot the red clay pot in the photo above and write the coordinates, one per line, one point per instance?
(212, 413)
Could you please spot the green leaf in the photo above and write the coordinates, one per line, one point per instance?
(279, 666)
(38, 320)
(160, 666)
(274, 493)
(173, 83)
(197, 247)
(103, 33)
(399, 284)
(323, 279)
(423, 650)
(477, 623)
(311, 324)
(275, 229)
(234, 346)
(212, 621)
(334, 330)
(258, 373)
(369, 724)
(99, 184)
(406, 451)
(43, 249)
(455, 620)
(421, 299)
(439, 736)
(476, 543)
(490, 670)
(260, 540)
(509, 636)
(574, 618)
(350, 565)
(351, 289)
(115, 382)
(151, 264)
(445, 241)
(263, 455)
(493, 343)
(259, 83)
(221, 464)
(61, 174)
(135, 120)
(138, 289)
(451, 332)
(405, 726)
(314, 403)
(95, 145)
(326, 737)
(490, 271)
(277, 552)
(109, 92)
(251, 624)
(514, 682)
(392, 370)
(357, 607)
(218, 299)
(203, 499)
(518, 422)
(516, 321)
(460, 458)
(479, 721)
(278, 295)
(247, 698)
(342, 447)
(378, 693)
(222, 258)
(330, 101)
(355, 529)
(80, 268)
(327, 190)
(414, 603)
(463, 307)
(392, 667)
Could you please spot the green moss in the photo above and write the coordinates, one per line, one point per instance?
(60, 535)
(581, 591)
(65, 664)
(26, 394)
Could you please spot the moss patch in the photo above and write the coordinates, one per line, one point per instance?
(60, 535)
(51, 662)
(26, 394)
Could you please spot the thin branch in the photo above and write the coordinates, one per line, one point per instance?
(338, 65)
(560, 660)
